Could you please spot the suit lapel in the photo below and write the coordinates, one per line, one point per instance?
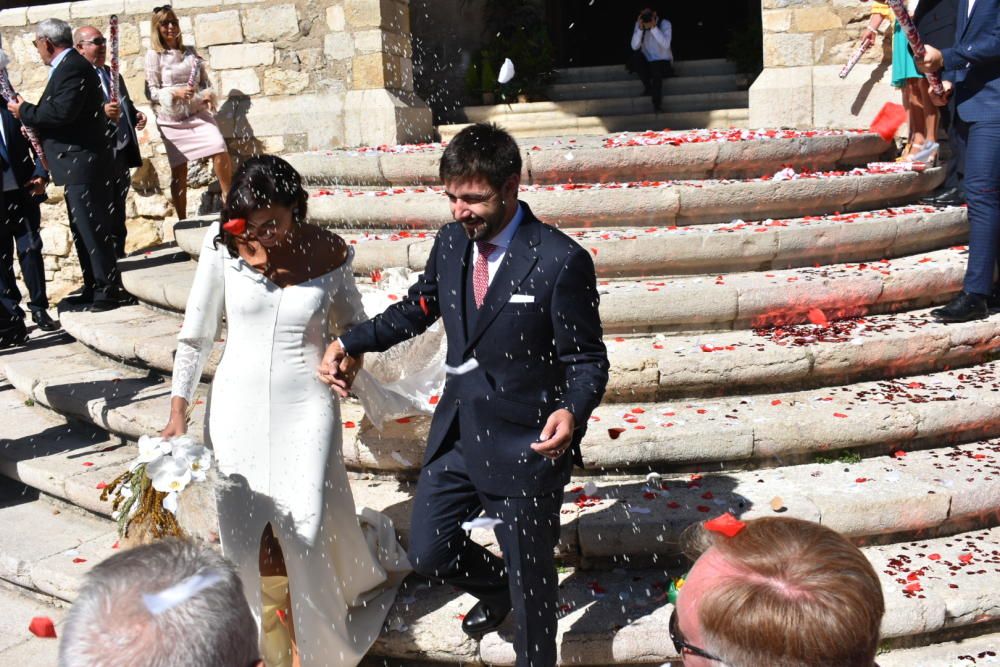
(451, 272)
(963, 16)
(516, 266)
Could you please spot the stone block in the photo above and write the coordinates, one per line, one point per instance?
(374, 117)
(59, 10)
(369, 72)
(129, 42)
(782, 97)
(218, 28)
(56, 240)
(239, 81)
(284, 82)
(236, 56)
(268, 24)
(335, 18)
(788, 50)
(134, 7)
(13, 17)
(388, 14)
(152, 206)
(392, 43)
(96, 8)
(777, 20)
(194, 4)
(338, 46)
(142, 233)
(816, 19)
(843, 103)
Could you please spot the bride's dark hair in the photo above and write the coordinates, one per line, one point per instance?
(262, 182)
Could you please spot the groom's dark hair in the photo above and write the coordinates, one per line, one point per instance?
(482, 150)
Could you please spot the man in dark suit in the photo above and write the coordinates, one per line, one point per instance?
(76, 138)
(127, 120)
(23, 183)
(526, 367)
(972, 66)
(935, 21)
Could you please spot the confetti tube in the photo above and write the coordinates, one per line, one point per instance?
(115, 65)
(913, 37)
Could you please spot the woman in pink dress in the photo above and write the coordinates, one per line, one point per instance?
(184, 102)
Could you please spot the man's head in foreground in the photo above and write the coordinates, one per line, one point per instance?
(782, 593)
(164, 604)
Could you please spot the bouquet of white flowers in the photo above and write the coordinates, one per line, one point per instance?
(145, 498)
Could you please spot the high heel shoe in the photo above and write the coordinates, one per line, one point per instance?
(276, 642)
(908, 150)
(928, 154)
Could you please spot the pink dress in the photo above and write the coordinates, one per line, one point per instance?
(188, 128)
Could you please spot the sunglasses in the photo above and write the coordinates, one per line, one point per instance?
(681, 645)
(97, 41)
(164, 8)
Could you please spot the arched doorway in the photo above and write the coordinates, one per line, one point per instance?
(596, 32)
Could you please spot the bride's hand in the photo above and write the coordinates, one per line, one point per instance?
(330, 369)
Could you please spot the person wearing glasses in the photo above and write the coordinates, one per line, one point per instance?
(76, 138)
(184, 113)
(780, 591)
(127, 120)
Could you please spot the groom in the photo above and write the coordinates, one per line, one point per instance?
(526, 367)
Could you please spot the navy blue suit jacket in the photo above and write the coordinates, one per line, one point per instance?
(23, 160)
(535, 356)
(973, 62)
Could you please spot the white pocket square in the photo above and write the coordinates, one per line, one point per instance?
(522, 298)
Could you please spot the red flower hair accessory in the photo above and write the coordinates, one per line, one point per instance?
(235, 226)
(725, 524)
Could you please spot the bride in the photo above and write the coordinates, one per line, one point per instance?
(319, 577)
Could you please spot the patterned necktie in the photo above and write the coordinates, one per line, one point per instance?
(481, 271)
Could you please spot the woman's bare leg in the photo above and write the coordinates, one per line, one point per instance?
(178, 189)
(272, 564)
(917, 114)
(224, 172)
(932, 113)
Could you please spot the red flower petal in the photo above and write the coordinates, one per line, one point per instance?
(817, 316)
(934, 557)
(79, 560)
(776, 401)
(349, 424)
(726, 524)
(914, 587)
(42, 626)
(101, 485)
(235, 226)
(434, 399)
(965, 558)
(638, 411)
(424, 307)
(87, 464)
(840, 415)
(613, 433)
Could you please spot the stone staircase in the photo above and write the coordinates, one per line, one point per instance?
(598, 100)
(770, 346)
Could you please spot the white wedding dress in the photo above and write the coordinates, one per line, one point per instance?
(276, 433)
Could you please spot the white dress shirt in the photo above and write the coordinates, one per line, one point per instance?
(58, 59)
(502, 242)
(972, 3)
(656, 45)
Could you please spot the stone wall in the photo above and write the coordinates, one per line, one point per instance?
(291, 75)
(806, 43)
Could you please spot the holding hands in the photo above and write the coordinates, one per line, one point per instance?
(338, 370)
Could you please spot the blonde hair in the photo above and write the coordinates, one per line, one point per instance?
(155, 41)
(802, 596)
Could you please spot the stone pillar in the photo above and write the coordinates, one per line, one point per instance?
(806, 43)
(381, 106)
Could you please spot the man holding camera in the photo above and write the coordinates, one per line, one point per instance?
(652, 57)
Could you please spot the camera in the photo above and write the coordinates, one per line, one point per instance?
(646, 16)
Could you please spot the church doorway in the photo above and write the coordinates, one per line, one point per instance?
(597, 32)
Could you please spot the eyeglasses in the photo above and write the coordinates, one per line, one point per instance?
(681, 645)
(163, 8)
(264, 230)
(97, 41)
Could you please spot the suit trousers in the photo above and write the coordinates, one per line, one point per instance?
(122, 180)
(652, 74)
(955, 169)
(20, 220)
(982, 190)
(441, 550)
(89, 207)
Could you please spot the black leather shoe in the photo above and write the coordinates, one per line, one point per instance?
(84, 298)
(15, 338)
(485, 617)
(944, 197)
(963, 308)
(44, 322)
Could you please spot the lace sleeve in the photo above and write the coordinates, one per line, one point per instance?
(347, 308)
(202, 319)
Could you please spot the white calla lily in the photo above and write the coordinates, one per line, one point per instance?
(170, 502)
(169, 475)
(506, 71)
(152, 448)
(196, 457)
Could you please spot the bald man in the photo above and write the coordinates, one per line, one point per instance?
(92, 45)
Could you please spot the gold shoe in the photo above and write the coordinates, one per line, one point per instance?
(276, 641)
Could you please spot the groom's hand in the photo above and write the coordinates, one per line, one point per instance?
(557, 435)
(330, 369)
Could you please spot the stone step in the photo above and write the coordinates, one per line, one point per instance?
(619, 618)
(657, 368)
(643, 203)
(633, 87)
(682, 68)
(677, 120)
(915, 412)
(603, 158)
(722, 302)
(981, 650)
(618, 106)
(699, 249)
(17, 645)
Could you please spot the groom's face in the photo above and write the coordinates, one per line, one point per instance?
(481, 209)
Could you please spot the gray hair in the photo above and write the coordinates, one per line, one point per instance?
(56, 31)
(111, 624)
